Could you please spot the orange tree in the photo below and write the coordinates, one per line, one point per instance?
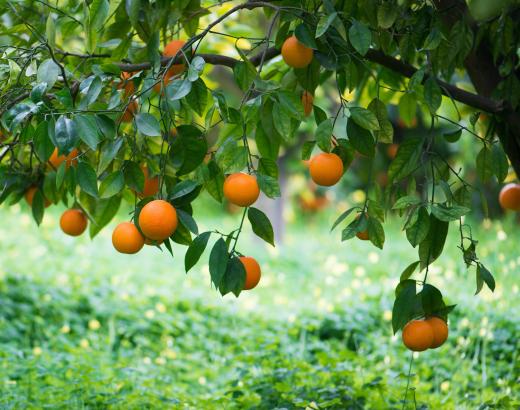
(103, 101)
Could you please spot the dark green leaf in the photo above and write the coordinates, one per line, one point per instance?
(195, 250)
(261, 225)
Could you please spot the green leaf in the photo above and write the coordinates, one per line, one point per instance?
(178, 89)
(364, 118)
(112, 185)
(88, 130)
(431, 299)
(218, 260)
(65, 134)
(419, 230)
(38, 206)
(87, 179)
(198, 96)
(448, 214)
(304, 36)
(48, 73)
(268, 185)
(376, 233)
(406, 160)
(324, 135)
(188, 221)
(500, 163)
(484, 276)
(103, 213)
(108, 153)
(148, 125)
(245, 74)
(408, 271)
(324, 24)
(282, 121)
(188, 149)
(195, 68)
(431, 247)
(361, 139)
(134, 176)
(307, 148)
(406, 201)
(433, 40)
(261, 225)
(386, 15)
(407, 108)
(453, 136)
(485, 164)
(432, 95)
(342, 217)
(234, 277)
(183, 188)
(360, 37)
(195, 250)
(404, 304)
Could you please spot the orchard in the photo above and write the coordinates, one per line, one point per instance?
(155, 123)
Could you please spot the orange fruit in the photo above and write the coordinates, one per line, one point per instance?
(171, 50)
(253, 272)
(296, 54)
(241, 189)
(29, 196)
(307, 102)
(56, 160)
(148, 241)
(130, 111)
(509, 197)
(126, 238)
(326, 169)
(151, 185)
(126, 83)
(391, 150)
(73, 222)
(440, 331)
(158, 220)
(418, 335)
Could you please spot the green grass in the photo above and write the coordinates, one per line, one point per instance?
(82, 327)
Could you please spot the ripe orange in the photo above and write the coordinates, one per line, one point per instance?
(253, 272)
(29, 196)
(126, 238)
(440, 331)
(73, 222)
(296, 54)
(158, 220)
(171, 50)
(130, 111)
(326, 169)
(241, 189)
(418, 335)
(56, 160)
(307, 102)
(391, 150)
(509, 197)
(151, 185)
(126, 83)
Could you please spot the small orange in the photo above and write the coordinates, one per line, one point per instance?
(158, 220)
(151, 185)
(326, 169)
(509, 197)
(440, 331)
(73, 222)
(253, 272)
(126, 83)
(56, 160)
(418, 335)
(172, 49)
(391, 150)
(307, 102)
(126, 238)
(241, 189)
(29, 196)
(130, 111)
(296, 54)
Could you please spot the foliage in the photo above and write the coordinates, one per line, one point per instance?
(90, 77)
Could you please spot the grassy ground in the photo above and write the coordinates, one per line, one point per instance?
(84, 327)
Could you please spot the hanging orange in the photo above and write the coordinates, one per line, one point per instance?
(296, 54)
(151, 185)
(126, 238)
(307, 102)
(158, 220)
(241, 189)
(56, 160)
(29, 196)
(73, 222)
(326, 169)
(418, 335)
(509, 197)
(253, 272)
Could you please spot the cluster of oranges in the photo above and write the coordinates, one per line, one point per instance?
(430, 333)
